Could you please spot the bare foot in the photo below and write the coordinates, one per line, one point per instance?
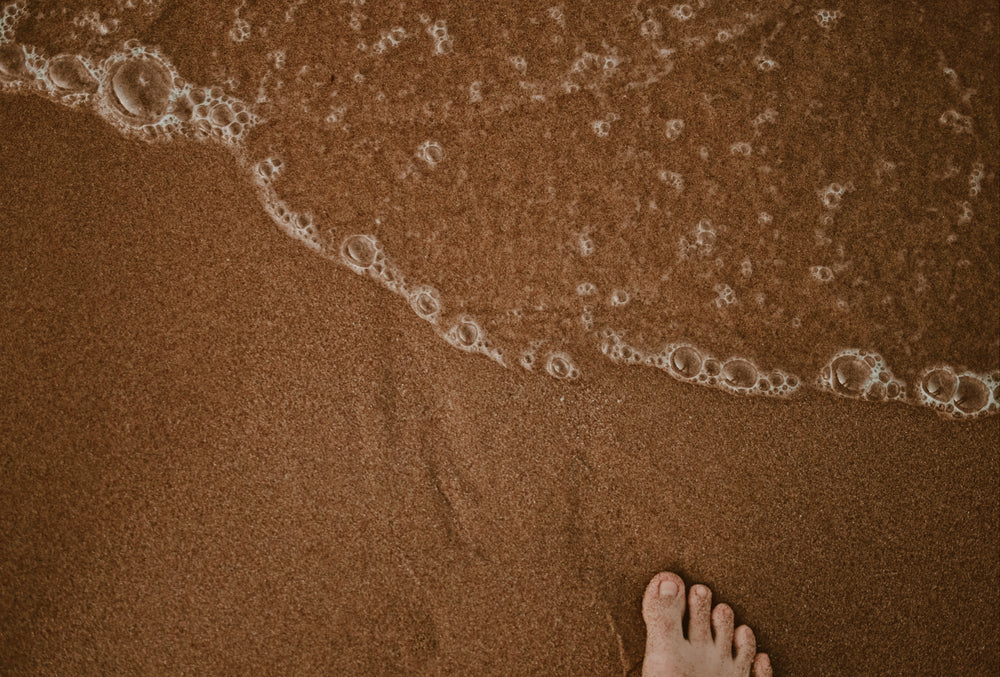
(668, 654)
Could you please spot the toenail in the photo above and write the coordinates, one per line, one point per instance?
(667, 588)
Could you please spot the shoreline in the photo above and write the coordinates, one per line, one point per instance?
(224, 453)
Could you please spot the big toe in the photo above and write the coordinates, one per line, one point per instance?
(663, 611)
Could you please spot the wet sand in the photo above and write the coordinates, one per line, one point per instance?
(224, 455)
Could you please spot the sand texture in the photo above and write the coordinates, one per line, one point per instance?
(222, 454)
(370, 338)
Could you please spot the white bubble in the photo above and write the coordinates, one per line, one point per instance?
(674, 128)
(765, 63)
(561, 366)
(475, 92)
(682, 12)
(240, 30)
(850, 373)
(438, 30)
(959, 124)
(69, 74)
(821, 273)
(619, 297)
(528, 360)
(975, 179)
(444, 47)
(831, 195)
(360, 252)
(267, 170)
(685, 361)
(466, 334)
(673, 179)
(739, 374)
(430, 152)
(650, 28)
(768, 116)
(725, 295)
(425, 302)
(827, 18)
(139, 90)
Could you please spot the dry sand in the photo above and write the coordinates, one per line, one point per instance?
(222, 454)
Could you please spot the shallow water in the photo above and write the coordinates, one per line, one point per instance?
(753, 198)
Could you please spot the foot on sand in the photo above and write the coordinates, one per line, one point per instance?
(668, 654)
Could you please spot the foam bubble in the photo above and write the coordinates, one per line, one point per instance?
(528, 355)
(851, 375)
(673, 179)
(69, 74)
(467, 332)
(876, 391)
(739, 373)
(712, 367)
(827, 18)
(430, 152)
(939, 384)
(685, 362)
(765, 63)
(619, 297)
(601, 127)
(13, 65)
(561, 366)
(959, 124)
(725, 295)
(741, 148)
(832, 194)
(139, 90)
(388, 274)
(971, 395)
(222, 115)
(240, 30)
(267, 170)
(359, 252)
(650, 28)
(682, 12)
(674, 129)
(426, 303)
(958, 394)
(821, 273)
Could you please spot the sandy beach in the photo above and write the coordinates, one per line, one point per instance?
(710, 288)
(222, 454)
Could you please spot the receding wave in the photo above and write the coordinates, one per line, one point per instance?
(749, 197)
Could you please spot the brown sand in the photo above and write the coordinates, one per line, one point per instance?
(224, 455)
